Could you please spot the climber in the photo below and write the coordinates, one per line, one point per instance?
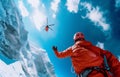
(89, 60)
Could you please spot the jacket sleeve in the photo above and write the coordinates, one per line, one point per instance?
(64, 53)
(113, 63)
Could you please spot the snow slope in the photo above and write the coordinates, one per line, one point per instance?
(30, 59)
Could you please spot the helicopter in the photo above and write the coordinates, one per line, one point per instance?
(48, 26)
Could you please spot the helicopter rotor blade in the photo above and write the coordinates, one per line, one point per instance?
(47, 21)
(50, 28)
(43, 26)
(51, 25)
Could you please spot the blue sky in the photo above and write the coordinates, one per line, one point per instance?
(98, 20)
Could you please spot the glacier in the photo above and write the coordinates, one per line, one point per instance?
(30, 59)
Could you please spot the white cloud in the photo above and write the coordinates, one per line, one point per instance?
(34, 3)
(38, 16)
(54, 15)
(54, 7)
(72, 5)
(101, 45)
(117, 5)
(23, 9)
(43, 6)
(119, 58)
(96, 16)
(39, 19)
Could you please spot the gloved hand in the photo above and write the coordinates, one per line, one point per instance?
(54, 48)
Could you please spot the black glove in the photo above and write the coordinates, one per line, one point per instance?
(54, 48)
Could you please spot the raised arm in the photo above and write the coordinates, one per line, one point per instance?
(62, 54)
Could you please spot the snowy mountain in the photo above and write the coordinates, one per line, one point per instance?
(12, 70)
(31, 60)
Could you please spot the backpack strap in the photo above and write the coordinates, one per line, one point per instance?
(106, 66)
(87, 71)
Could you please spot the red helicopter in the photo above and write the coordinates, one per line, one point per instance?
(47, 27)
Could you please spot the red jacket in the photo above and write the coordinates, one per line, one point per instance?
(83, 55)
